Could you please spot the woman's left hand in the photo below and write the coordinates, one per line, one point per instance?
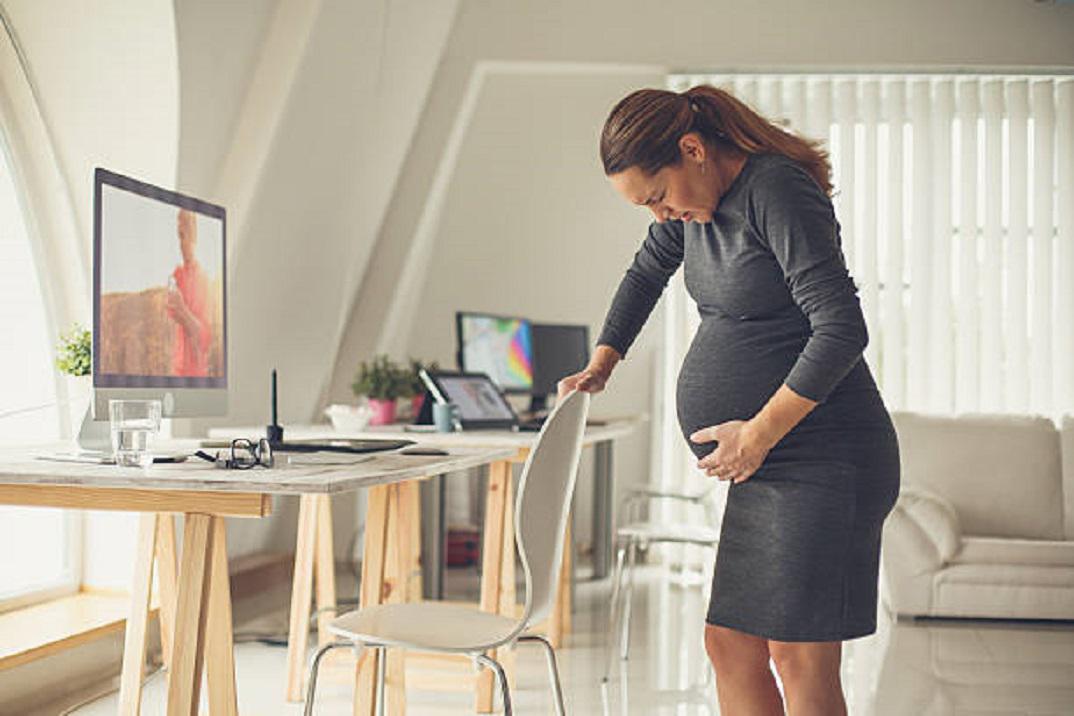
(739, 454)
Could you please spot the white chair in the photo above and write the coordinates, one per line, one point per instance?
(636, 534)
(543, 503)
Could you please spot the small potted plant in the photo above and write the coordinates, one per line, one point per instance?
(382, 382)
(73, 354)
(415, 388)
(73, 358)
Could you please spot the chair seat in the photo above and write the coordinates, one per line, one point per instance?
(659, 532)
(425, 625)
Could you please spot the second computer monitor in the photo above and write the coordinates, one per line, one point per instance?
(558, 351)
(500, 346)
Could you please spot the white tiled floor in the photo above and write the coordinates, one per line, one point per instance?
(906, 667)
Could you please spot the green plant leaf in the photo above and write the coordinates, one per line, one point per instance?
(74, 352)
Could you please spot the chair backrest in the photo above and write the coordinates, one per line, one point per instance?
(544, 501)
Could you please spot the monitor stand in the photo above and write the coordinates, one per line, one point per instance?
(94, 434)
(538, 404)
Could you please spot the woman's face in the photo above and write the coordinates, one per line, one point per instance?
(681, 191)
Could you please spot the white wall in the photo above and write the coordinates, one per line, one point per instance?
(531, 227)
(219, 44)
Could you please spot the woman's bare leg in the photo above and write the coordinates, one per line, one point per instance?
(810, 675)
(745, 684)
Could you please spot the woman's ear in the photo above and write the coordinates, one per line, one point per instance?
(691, 147)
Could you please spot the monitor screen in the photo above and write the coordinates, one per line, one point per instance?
(159, 288)
(476, 398)
(500, 346)
(558, 351)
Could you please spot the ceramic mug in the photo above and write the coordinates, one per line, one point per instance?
(445, 415)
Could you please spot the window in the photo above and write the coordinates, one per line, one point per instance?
(38, 546)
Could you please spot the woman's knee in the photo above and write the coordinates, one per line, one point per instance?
(730, 649)
(806, 660)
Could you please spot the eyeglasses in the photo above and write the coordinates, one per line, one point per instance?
(244, 454)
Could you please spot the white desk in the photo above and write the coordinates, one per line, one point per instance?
(195, 601)
(600, 437)
(498, 545)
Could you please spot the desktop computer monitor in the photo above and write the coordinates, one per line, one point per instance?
(159, 298)
(500, 346)
(558, 351)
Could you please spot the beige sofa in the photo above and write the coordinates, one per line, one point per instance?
(984, 524)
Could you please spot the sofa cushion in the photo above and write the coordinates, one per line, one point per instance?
(1001, 472)
(1007, 550)
(1004, 591)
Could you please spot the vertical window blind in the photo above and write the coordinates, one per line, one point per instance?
(955, 196)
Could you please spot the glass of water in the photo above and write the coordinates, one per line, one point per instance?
(134, 423)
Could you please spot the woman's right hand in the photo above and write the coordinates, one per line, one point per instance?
(587, 381)
(595, 375)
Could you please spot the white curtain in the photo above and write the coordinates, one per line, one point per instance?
(955, 194)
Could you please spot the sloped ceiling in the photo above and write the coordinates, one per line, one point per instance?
(309, 196)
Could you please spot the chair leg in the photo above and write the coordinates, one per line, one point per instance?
(613, 613)
(308, 711)
(501, 677)
(382, 665)
(553, 671)
(624, 643)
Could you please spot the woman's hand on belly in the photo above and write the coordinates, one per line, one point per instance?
(739, 453)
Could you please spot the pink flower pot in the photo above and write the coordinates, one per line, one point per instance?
(383, 411)
(415, 404)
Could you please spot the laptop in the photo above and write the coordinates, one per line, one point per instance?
(481, 404)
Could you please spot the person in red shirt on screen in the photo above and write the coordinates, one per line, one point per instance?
(188, 305)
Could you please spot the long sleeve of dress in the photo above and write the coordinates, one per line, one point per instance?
(654, 263)
(797, 220)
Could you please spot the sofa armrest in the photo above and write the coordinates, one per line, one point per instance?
(933, 518)
(920, 535)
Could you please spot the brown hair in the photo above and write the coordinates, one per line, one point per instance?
(644, 129)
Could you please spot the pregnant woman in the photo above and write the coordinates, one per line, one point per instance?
(774, 394)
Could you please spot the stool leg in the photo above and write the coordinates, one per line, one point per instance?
(553, 671)
(312, 685)
(624, 643)
(501, 677)
(382, 665)
(613, 612)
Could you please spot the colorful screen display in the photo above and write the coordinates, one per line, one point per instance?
(501, 347)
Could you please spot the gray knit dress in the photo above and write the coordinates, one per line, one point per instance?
(799, 551)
